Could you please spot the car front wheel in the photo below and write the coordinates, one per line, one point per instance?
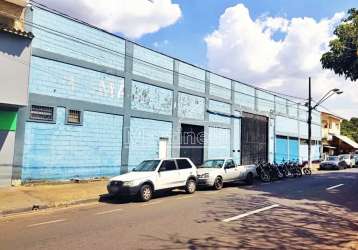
(190, 186)
(218, 184)
(145, 193)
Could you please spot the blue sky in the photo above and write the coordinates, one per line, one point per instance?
(201, 17)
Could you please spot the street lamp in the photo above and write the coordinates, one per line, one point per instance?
(310, 108)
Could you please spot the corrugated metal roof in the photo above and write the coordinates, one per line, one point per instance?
(5, 28)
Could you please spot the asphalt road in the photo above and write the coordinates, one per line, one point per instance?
(291, 214)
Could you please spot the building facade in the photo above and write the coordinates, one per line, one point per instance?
(333, 142)
(100, 104)
(15, 53)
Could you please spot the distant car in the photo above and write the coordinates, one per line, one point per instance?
(333, 162)
(348, 159)
(355, 160)
(215, 172)
(153, 175)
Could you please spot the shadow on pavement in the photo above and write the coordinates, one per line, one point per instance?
(106, 198)
(312, 220)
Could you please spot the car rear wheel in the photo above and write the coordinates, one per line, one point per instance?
(249, 179)
(190, 186)
(218, 184)
(145, 193)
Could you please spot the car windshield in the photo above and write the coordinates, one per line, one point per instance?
(212, 164)
(344, 156)
(332, 158)
(147, 166)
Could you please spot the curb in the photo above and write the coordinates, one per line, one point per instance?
(35, 208)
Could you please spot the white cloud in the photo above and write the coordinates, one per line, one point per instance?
(133, 18)
(245, 49)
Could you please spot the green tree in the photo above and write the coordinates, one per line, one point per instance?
(350, 128)
(342, 57)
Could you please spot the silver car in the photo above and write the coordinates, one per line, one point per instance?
(333, 162)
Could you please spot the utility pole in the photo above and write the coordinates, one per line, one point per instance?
(309, 121)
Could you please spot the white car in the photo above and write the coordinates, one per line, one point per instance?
(348, 159)
(152, 175)
(215, 172)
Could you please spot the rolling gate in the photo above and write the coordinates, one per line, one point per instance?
(254, 138)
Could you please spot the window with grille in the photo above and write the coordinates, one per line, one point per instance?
(42, 113)
(74, 116)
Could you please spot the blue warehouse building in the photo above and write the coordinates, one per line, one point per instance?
(100, 104)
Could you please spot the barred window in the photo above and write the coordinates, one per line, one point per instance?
(74, 116)
(42, 113)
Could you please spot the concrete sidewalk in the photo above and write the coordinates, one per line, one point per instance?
(41, 196)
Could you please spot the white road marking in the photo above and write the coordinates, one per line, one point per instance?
(184, 197)
(211, 193)
(339, 185)
(250, 213)
(151, 203)
(45, 223)
(109, 211)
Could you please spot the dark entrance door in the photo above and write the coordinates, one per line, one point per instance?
(192, 143)
(254, 138)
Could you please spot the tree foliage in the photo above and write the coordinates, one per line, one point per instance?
(342, 57)
(350, 128)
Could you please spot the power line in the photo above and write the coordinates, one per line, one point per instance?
(100, 47)
(87, 24)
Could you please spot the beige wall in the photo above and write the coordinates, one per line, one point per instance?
(12, 13)
(14, 60)
(7, 140)
(330, 125)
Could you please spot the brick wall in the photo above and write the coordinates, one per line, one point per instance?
(144, 139)
(191, 107)
(152, 65)
(191, 77)
(220, 86)
(219, 143)
(150, 98)
(59, 151)
(61, 35)
(63, 80)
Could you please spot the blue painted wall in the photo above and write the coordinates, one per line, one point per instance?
(271, 140)
(76, 40)
(57, 79)
(150, 98)
(221, 108)
(218, 143)
(191, 77)
(293, 149)
(286, 126)
(152, 65)
(265, 101)
(220, 86)
(281, 105)
(144, 139)
(292, 109)
(190, 106)
(281, 153)
(59, 151)
(244, 96)
(237, 140)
